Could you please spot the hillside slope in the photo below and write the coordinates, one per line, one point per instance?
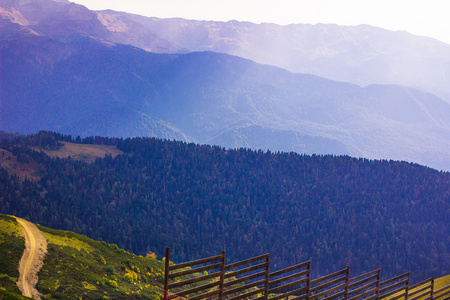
(12, 245)
(200, 200)
(62, 279)
(76, 266)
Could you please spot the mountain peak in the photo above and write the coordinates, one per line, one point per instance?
(13, 15)
(113, 22)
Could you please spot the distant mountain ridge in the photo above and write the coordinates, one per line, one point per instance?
(84, 84)
(62, 18)
(362, 54)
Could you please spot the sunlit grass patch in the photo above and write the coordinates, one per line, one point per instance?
(8, 226)
(441, 282)
(67, 242)
(96, 269)
(88, 286)
(12, 245)
(85, 152)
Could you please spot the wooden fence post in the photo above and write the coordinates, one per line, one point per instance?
(346, 282)
(266, 284)
(166, 272)
(378, 284)
(222, 275)
(308, 280)
(432, 288)
(407, 287)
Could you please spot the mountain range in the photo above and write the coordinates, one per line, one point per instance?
(68, 69)
(358, 54)
(362, 54)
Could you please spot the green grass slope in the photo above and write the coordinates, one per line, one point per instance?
(12, 245)
(77, 267)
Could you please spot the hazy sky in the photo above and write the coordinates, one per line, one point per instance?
(421, 17)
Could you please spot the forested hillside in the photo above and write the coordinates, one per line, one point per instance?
(199, 200)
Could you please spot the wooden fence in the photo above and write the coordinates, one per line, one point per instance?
(211, 278)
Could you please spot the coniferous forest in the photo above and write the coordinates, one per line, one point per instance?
(200, 200)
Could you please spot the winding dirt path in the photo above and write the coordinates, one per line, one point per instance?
(32, 259)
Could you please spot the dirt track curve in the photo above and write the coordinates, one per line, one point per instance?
(32, 259)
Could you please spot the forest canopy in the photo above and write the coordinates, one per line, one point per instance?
(200, 200)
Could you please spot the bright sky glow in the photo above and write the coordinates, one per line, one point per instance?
(421, 17)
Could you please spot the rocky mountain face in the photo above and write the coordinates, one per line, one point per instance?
(64, 71)
(61, 18)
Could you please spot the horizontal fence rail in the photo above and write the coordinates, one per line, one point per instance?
(211, 279)
(422, 290)
(333, 286)
(394, 288)
(293, 282)
(189, 279)
(442, 293)
(254, 280)
(365, 286)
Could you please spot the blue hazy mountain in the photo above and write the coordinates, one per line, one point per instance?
(74, 79)
(362, 54)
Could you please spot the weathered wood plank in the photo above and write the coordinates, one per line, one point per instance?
(286, 270)
(195, 270)
(194, 280)
(335, 274)
(195, 262)
(245, 270)
(245, 262)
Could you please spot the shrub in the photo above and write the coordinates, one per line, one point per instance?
(128, 278)
(111, 283)
(102, 260)
(110, 270)
(151, 255)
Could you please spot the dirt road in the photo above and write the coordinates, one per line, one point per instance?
(32, 259)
